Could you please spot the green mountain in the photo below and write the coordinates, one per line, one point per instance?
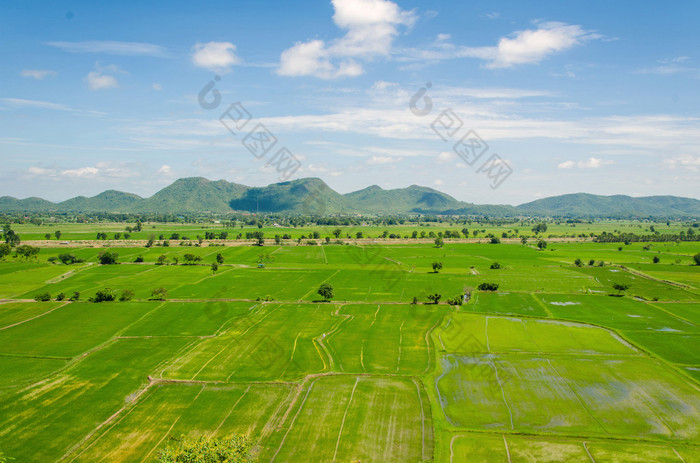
(193, 194)
(33, 204)
(308, 196)
(107, 201)
(584, 204)
(312, 196)
(415, 198)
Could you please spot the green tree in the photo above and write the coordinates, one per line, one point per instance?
(495, 266)
(6, 249)
(104, 295)
(656, 259)
(42, 297)
(214, 267)
(75, 296)
(159, 293)
(578, 262)
(236, 449)
(542, 244)
(107, 257)
(488, 287)
(337, 232)
(219, 258)
(58, 234)
(696, 258)
(523, 239)
(434, 298)
(439, 242)
(26, 252)
(621, 287)
(47, 236)
(126, 295)
(495, 240)
(162, 259)
(326, 291)
(437, 266)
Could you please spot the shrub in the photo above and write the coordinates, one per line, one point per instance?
(457, 300)
(656, 259)
(591, 262)
(68, 259)
(437, 266)
(434, 298)
(578, 262)
(159, 293)
(43, 297)
(75, 296)
(107, 257)
(60, 296)
(495, 240)
(488, 287)
(126, 295)
(495, 266)
(236, 449)
(139, 259)
(104, 295)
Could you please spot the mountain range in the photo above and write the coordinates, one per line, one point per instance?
(312, 196)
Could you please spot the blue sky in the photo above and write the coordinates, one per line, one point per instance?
(593, 96)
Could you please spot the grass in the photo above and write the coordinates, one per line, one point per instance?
(548, 368)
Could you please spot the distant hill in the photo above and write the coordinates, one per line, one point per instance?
(10, 204)
(584, 204)
(107, 201)
(193, 194)
(312, 196)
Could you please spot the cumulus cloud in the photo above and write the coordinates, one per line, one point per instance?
(215, 56)
(370, 25)
(530, 46)
(164, 169)
(38, 74)
(82, 172)
(687, 161)
(590, 163)
(102, 78)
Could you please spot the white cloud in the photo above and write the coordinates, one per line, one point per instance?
(686, 161)
(164, 169)
(438, 182)
(371, 26)
(379, 160)
(110, 47)
(215, 56)
(82, 172)
(157, 87)
(590, 163)
(97, 81)
(38, 74)
(446, 156)
(40, 171)
(529, 46)
(667, 67)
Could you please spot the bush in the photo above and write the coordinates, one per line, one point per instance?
(495, 266)
(126, 295)
(457, 300)
(488, 287)
(656, 259)
(107, 257)
(434, 298)
(495, 240)
(578, 262)
(139, 259)
(43, 297)
(60, 296)
(236, 449)
(75, 297)
(68, 259)
(591, 262)
(104, 295)
(159, 293)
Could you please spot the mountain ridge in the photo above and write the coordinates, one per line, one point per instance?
(312, 196)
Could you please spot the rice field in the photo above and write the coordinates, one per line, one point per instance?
(555, 366)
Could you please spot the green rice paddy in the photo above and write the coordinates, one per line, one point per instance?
(555, 366)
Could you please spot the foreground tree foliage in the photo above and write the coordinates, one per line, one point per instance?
(107, 257)
(326, 291)
(488, 287)
(236, 449)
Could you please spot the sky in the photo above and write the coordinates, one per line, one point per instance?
(492, 102)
